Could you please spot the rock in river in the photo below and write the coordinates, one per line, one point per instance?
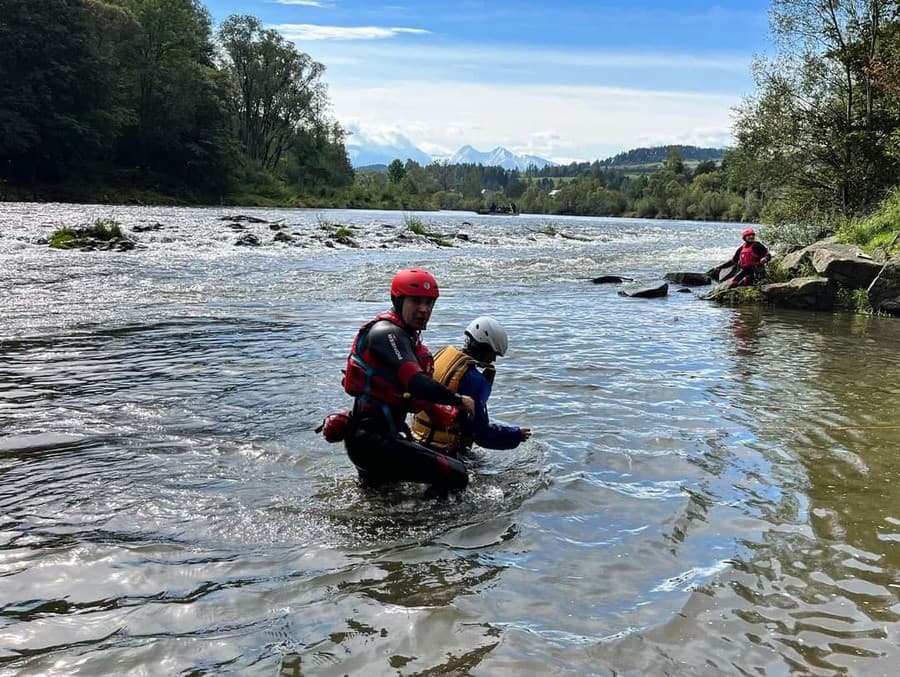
(645, 291)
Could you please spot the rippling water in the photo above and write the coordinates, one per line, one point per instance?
(708, 490)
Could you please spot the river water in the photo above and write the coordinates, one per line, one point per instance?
(708, 490)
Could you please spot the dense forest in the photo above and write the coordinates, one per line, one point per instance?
(141, 95)
(144, 100)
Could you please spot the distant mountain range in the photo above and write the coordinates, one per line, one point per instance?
(498, 157)
(377, 151)
(369, 151)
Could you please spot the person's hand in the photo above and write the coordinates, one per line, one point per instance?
(468, 404)
(525, 434)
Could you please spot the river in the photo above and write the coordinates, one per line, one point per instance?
(708, 490)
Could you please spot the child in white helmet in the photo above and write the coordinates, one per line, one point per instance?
(470, 372)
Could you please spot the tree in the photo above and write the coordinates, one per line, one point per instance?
(181, 127)
(396, 171)
(52, 87)
(317, 161)
(278, 89)
(814, 134)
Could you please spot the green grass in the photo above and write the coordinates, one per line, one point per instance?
(879, 229)
(104, 230)
(776, 272)
(854, 300)
(64, 238)
(415, 225)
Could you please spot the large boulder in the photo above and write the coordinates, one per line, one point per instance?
(805, 293)
(846, 264)
(884, 292)
(689, 279)
(645, 291)
(795, 261)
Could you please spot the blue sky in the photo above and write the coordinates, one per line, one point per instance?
(574, 80)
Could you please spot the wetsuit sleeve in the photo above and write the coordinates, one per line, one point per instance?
(734, 259)
(394, 348)
(486, 434)
(760, 249)
(422, 387)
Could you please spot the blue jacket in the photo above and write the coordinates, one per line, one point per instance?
(486, 434)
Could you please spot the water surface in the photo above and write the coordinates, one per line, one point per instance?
(708, 491)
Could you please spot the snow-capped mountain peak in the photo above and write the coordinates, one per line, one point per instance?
(373, 146)
(497, 157)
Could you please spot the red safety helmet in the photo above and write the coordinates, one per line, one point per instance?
(747, 231)
(414, 282)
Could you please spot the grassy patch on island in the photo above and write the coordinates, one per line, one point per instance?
(102, 230)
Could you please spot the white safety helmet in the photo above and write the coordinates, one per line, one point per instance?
(487, 330)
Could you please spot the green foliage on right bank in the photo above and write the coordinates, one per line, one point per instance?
(820, 138)
(881, 229)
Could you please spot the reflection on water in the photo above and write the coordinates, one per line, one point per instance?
(709, 490)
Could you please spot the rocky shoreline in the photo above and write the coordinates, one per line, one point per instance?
(826, 275)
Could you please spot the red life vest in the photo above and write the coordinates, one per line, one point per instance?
(749, 258)
(366, 377)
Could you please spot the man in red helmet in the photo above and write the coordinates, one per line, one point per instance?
(389, 373)
(750, 257)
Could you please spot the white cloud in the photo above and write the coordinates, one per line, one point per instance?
(308, 32)
(557, 122)
(436, 149)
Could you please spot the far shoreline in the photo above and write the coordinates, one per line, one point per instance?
(143, 198)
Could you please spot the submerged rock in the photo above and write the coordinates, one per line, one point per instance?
(611, 279)
(247, 240)
(143, 229)
(645, 291)
(242, 217)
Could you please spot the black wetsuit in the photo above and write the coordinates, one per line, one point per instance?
(379, 441)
